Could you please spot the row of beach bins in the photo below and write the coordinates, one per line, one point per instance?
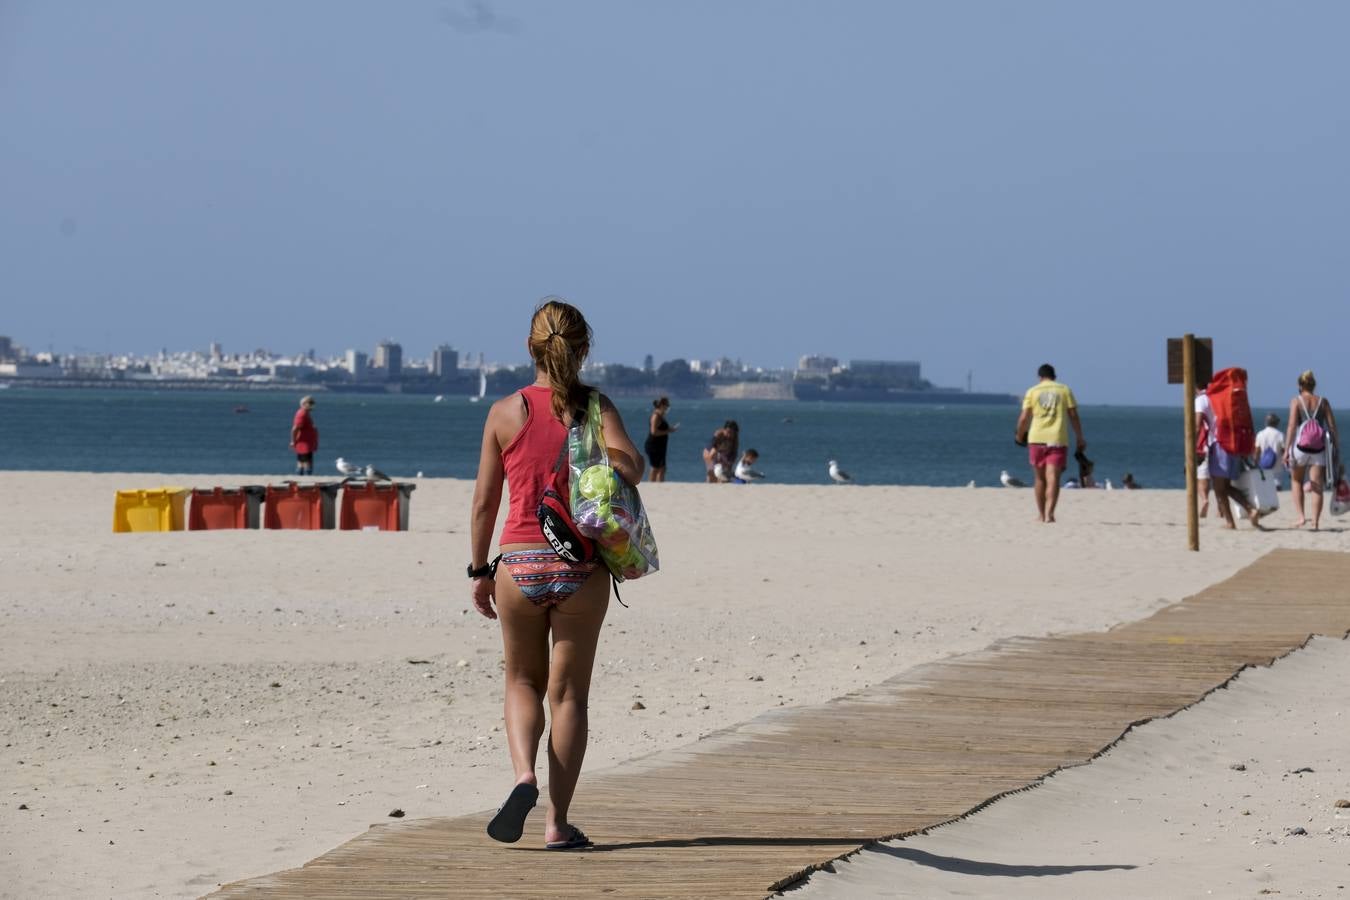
(363, 506)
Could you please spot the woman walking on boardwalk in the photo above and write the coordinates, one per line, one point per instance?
(1311, 443)
(540, 596)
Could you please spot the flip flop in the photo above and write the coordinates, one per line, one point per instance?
(509, 822)
(576, 840)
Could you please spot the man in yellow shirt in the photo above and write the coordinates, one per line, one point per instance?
(1048, 409)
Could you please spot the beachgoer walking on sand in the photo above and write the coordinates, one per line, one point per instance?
(659, 431)
(1311, 444)
(540, 598)
(1270, 448)
(1048, 409)
(304, 437)
(1223, 467)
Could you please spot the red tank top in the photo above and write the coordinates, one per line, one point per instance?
(529, 460)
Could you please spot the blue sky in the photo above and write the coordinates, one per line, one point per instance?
(979, 186)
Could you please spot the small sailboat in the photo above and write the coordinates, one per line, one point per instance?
(482, 387)
(440, 398)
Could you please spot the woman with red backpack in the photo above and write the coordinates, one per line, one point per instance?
(1310, 442)
(1223, 420)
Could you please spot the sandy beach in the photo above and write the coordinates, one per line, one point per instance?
(186, 709)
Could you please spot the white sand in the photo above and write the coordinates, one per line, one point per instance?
(130, 663)
(1164, 813)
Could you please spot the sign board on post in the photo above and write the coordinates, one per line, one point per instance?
(1204, 361)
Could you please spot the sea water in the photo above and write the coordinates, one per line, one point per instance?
(878, 443)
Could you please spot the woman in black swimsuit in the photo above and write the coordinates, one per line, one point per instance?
(658, 435)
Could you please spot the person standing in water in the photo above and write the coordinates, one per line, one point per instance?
(550, 609)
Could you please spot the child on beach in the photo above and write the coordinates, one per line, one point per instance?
(745, 468)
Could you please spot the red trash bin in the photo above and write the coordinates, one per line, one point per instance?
(218, 508)
(303, 506)
(371, 506)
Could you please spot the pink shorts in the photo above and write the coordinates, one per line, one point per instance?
(1048, 455)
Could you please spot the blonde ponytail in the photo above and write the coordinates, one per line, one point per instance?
(559, 342)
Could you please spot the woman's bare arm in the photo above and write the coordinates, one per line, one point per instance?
(623, 455)
(1290, 426)
(487, 489)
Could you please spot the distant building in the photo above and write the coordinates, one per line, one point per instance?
(389, 359)
(884, 368)
(816, 366)
(648, 363)
(6, 349)
(216, 351)
(444, 361)
(357, 363)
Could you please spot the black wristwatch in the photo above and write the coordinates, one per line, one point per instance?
(488, 569)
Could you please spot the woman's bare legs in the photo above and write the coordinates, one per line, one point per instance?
(525, 641)
(566, 682)
(1202, 486)
(1317, 481)
(1221, 498)
(1296, 490)
(576, 626)
(655, 474)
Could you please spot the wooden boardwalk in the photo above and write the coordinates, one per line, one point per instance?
(750, 810)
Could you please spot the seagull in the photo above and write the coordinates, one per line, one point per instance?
(1009, 481)
(346, 468)
(374, 474)
(970, 484)
(1109, 485)
(838, 475)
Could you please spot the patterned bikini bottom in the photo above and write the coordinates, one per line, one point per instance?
(545, 579)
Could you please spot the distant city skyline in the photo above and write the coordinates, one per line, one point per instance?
(981, 187)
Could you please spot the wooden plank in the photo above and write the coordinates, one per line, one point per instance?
(748, 810)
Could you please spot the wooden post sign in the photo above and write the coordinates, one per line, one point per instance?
(1190, 362)
(1203, 365)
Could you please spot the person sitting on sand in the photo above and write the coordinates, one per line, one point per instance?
(550, 609)
(745, 469)
(1129, 483)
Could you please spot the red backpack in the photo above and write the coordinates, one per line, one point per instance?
(1232, 414)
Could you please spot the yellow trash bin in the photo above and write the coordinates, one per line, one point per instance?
(152, 509)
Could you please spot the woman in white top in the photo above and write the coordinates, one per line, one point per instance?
(1304, 456)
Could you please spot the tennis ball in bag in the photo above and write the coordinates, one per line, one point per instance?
(597, 483)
